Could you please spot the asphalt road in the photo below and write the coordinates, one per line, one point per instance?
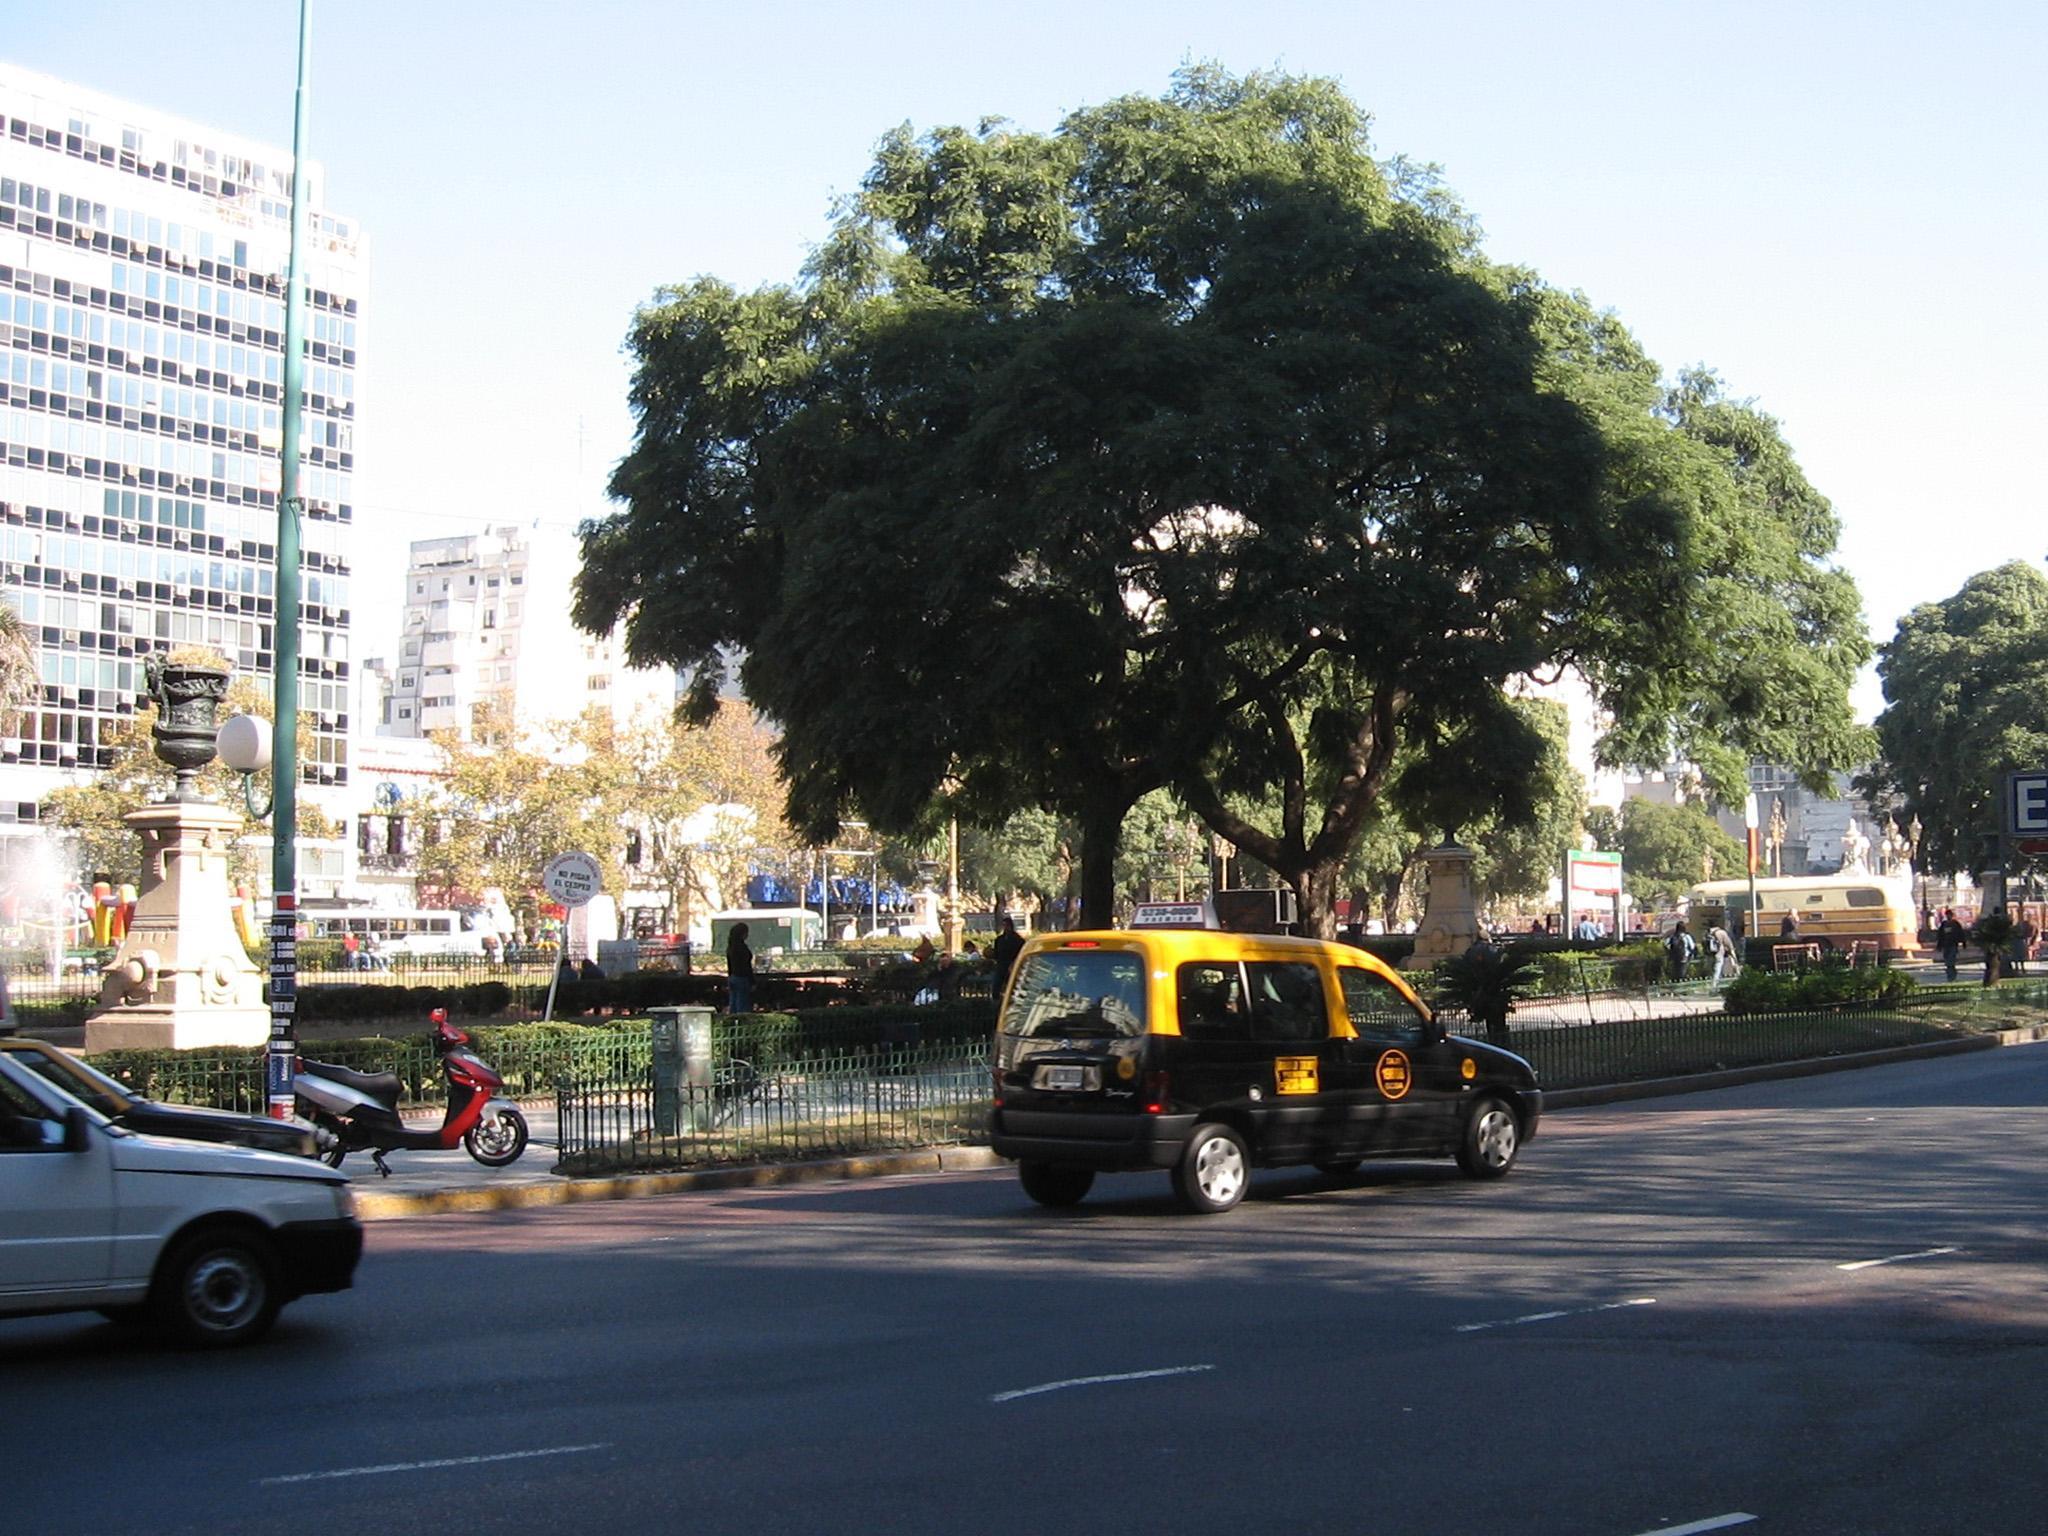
(1810, 1306)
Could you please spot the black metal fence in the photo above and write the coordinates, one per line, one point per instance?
(864, 1101)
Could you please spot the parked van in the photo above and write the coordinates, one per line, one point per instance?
(206, 1241)
(1209, 1053)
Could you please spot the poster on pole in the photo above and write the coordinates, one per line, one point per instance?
(573, 879)
(1591, 874)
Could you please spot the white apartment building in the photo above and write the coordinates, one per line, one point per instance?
(142, 293)
(486, 622)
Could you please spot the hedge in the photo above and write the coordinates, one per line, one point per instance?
(1816, 986)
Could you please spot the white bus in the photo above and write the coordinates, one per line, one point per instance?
(388, 932)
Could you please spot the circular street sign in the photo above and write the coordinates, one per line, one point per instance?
(573, 878)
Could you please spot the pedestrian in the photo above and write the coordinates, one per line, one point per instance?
(1004, 953)
(1788, 926)
(739, 971)
(1722, 948)
(1678, 950)
(2023, 935)
(1948, 939)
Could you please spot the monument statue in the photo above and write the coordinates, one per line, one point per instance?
(181, 977)
(1450, 914)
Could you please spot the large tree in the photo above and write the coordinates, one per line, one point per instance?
(1966, 702)
(1190, 447)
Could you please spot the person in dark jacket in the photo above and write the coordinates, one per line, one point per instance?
(1949, 935)
(1004, 953)
(739, 971)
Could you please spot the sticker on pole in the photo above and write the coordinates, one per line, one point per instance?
(573, 878)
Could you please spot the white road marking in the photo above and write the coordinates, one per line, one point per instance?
(1897, 1258)
(446, 1461)
(1717, 1523)
(1096, 1381)
(1544, 1317)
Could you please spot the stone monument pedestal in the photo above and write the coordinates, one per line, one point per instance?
(1450, 912)
(181, 978)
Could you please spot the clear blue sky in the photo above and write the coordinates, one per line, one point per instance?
(1841, 208)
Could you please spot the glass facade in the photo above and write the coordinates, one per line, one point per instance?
(142, 292)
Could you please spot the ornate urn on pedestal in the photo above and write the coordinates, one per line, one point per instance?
(181, 977)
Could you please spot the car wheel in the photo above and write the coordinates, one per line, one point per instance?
(1214, 1171)
(217, 1288)
(1339, 1167)
(1050, 1184)
(1492, 1138)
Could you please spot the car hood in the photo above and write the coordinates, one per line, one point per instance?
(143, 1153)
(209, 1124)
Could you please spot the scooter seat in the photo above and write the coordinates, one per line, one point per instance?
(384, 1087)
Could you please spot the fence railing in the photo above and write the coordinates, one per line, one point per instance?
(863, 1101)
(1632, 1049)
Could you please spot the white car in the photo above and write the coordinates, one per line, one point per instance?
(206, 1241)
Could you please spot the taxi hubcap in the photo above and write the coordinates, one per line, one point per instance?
(1497, 1137)
(1219, 1170)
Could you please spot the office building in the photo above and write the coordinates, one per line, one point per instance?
(142, 298)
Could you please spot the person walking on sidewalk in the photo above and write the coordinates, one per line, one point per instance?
(739, 971)
(1722, 948)
(1948, 940)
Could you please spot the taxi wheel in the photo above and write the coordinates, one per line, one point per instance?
(1214, 1171)
(1491, 1140)
(1050, 1185)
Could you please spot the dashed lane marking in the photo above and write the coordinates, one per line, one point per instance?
(423, 1466)
(1898, 1258)
(1096, 1381)
(1544, 1317)
(1716, 1523)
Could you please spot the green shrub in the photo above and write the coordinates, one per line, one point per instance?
(1830, 984)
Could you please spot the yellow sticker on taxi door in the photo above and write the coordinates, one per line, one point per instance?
(1294, 1074)
(1392, 1074)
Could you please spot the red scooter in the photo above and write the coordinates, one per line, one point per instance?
(360, 1109)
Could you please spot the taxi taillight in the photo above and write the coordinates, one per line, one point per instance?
(996, 1087)
(1156, 1093)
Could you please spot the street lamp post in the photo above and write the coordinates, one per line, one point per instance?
(284, 868)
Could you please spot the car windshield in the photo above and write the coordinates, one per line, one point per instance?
(77, 1079)
(1078, 993)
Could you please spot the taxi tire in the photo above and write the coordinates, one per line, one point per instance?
(1214, 1170)
(1051, 1185)
(1490, 1141)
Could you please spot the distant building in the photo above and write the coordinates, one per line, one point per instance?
(142, 294)
(486, 623)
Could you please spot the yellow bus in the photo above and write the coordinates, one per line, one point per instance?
(1834, 911)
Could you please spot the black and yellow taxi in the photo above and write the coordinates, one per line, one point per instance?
(1210, 1053)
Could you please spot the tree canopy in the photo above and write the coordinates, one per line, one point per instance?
(1966, 702)
(1191, 447)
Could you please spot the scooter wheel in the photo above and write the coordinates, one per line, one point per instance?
(497, 1139)
(334, 1154)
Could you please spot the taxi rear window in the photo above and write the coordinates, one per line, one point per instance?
(1077, 993)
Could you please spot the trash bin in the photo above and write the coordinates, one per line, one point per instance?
(682, 1068)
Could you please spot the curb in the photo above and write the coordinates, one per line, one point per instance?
(640, 1186)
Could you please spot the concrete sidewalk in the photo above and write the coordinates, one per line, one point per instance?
(429, 1183)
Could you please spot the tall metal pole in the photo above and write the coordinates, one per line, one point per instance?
(284, 740)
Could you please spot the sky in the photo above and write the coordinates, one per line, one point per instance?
(1842, 209)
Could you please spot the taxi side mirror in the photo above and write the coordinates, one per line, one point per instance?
(77, 1129)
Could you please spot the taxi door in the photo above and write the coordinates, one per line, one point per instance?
(1256, 1038)
(1399, 1082)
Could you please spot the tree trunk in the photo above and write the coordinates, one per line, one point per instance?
(1102, 830)
(1315, 895)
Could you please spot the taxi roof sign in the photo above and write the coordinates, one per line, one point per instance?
(1173, 914)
